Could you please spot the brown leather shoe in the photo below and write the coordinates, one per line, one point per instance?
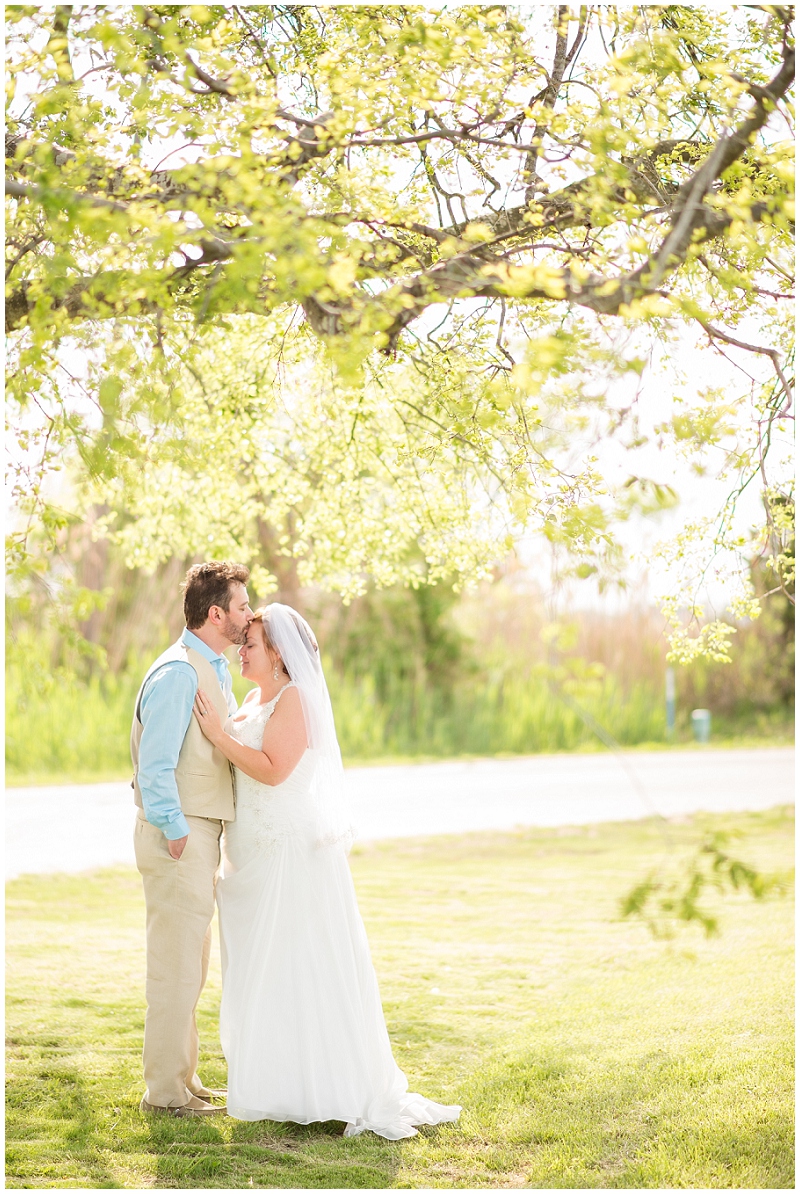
(208, 1095)
(195, 1107)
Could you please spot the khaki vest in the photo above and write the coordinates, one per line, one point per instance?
(203, 774)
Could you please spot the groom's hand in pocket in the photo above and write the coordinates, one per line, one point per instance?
(177, 846)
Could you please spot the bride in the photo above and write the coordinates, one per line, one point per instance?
(301, 1021)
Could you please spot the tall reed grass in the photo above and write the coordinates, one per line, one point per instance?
(80, 730)
(72, 730)
(512, 714)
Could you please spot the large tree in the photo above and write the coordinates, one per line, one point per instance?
(481, 215)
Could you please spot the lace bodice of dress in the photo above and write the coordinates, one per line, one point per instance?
(266, 816)
(250, 729)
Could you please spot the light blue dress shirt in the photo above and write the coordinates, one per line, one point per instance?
(166, 710)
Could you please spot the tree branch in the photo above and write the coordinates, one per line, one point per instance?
(58, 43)
(548, 99)
(467, 274)
(718, 334)
(20, 190)
(475, 271)
(237, 8)
(166, 185)
(690, 207)
(218, 86)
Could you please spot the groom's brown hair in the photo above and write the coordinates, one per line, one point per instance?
(210, 584)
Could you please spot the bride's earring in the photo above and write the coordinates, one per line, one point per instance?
(276, 675)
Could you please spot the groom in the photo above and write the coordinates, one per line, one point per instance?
(183, 789)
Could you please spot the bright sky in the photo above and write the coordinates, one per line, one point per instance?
(692, 367)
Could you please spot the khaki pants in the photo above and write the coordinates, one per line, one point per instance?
(179, 898)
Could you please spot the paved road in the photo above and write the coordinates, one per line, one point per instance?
(76, 828)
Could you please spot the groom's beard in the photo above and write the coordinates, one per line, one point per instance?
(237, 637)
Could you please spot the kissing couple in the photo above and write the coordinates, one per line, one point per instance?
(258, 791)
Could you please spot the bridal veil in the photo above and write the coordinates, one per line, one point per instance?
(293, 638)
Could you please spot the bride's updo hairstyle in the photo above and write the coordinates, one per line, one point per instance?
(304, 630)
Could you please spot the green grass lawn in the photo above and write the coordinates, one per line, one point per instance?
(585, 1054)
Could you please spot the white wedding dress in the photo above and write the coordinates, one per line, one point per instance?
(301, 1022)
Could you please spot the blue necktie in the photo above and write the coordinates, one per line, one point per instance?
(223, 675)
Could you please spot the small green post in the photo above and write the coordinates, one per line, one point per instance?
(670, 695)
(701, 724)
